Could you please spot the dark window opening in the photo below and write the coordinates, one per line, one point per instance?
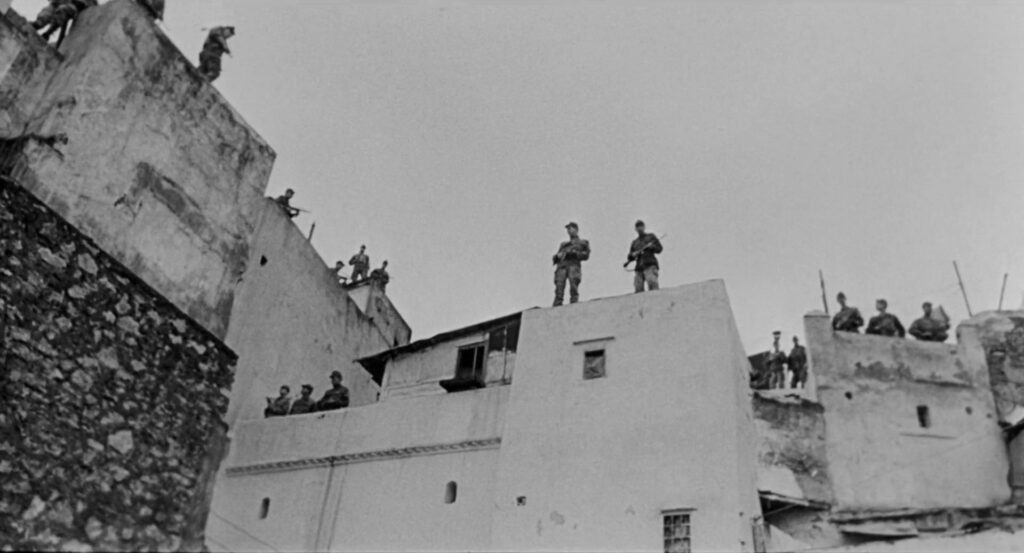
(505, 338)
(677, 532)
(521, 501)
(263, 260)
(264, 508)
(924, 418)
(450, 491)
(968, 409)
(593, 364)
(469, 369)
(848, 395)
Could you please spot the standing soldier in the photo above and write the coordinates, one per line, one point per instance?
(360, 263)
(884, 324)
(215, 46)
(567, 264)
(642, 251)
(798, 364)
(848, 319)
(381, 275)
(776, 364)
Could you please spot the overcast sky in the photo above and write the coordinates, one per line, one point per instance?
(877, 141)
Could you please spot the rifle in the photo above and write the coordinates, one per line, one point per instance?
(642, 249)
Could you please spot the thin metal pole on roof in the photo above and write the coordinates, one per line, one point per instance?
(1002, 291)
(824, 296)
(311, 229)
(962, 290)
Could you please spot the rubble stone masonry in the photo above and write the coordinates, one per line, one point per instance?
(111, 399)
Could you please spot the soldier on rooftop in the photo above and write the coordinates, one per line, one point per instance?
(305, 403)
(215, 46)
(336, 397)
(798, 364)
(360, 263)
(776, 364)
(284, 202)
(848, 319)
(380, 275)
(931, 327)
(885, 324)
(338, 266)
(567, 261)
(278, 407)
(642, 250)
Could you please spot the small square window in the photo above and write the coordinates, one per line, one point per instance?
(677, 532)
(593, 364)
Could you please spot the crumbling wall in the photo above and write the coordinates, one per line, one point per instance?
(158, 168)
(909, 424)
(792, 455)
(111, 423)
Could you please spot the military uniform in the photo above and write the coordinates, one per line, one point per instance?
(278, 407)
(360, 263)
(798, 365)
(848, 320)
(929, 329)
(335, 398)
(776, 364)
(215, 46)
(885, 324)
(286, 206)
(643, 250)
(381, 276)
(567, 268)
(304, 404)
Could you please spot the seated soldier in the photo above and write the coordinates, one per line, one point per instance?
(278, 407)
(930, 328)
(284, 202)
(336, 397)
(885, 324)
(305, 403)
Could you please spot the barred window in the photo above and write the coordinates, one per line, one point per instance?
(677, 532)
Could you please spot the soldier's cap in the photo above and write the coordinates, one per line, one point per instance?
(335, 373)
(639, 223)
(882, 301)
(572, 225)
(776, 333)
(841, 295)
(307, 387)
(926, 304)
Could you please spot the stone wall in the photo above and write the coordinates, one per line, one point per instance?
(791, 453)
(111, 423)
(158, 168)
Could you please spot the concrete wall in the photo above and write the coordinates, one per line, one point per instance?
(158, 168)
(879, 455)
(111, 423)
(669, 427)
(375, 304)
(292, 323)
(792, 454)
(364, 478)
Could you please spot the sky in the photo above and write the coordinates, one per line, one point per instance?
(875, 141)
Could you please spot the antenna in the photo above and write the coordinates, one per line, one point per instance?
(1002, 291)
(824, 296)
(962, 290)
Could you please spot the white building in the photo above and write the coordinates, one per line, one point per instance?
(615, 424)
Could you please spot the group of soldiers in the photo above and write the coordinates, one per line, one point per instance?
(932, 326)
(773, 374)
(571, 253)
(360, 262)
(58, 15)
(334, 398)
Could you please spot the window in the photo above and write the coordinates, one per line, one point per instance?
(924, 418)
(677, 532)
(593, 364)
(264, 508)
(470, 364)
(450, 491)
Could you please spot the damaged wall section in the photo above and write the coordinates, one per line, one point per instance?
(909, 424)
(111, 426)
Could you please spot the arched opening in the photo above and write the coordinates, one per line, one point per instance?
(450, 491)
(264, 508)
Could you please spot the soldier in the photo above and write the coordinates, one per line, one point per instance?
(642, 251)
(929, 328)
(381, 275)
(798, 364)
(336, 397)
(884, 324)
(338, 266)
(360, 263)
(278, 407)
(284, 202)
(215, 46)
(567, 260)
(305, 403)
(848, 319)
(776, 364)
(58, 15)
